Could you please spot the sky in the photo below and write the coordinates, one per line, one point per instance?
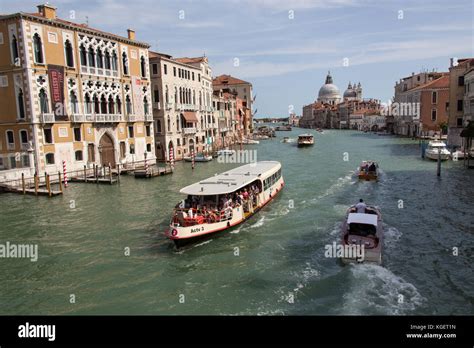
(286, 47)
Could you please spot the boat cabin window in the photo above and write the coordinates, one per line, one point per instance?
(363, 230)
(267, 183)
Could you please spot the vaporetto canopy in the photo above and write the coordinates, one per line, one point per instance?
(232, 180)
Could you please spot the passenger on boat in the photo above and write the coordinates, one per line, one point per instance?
(372, 167)
(361, 206)
(190, 213)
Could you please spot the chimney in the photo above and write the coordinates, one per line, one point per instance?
(451, 62)
(131, 34)
(47, 11)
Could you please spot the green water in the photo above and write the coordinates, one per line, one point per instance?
(280, 267)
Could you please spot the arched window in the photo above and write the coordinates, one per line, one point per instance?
(91, 57)
(146, 107)
(100, 59)
(87, 104)
(158, 126)
(143, 66)
(83, 55)
(15, 48)
(73, 102)
(125, 63)
(118, 102)
(128, 105)
(200, 98)
(103, 105)
(38, 49)
(21, 103)
(107, 60)
(169, 124)
(177, 123)
(176, 95)
(167, 98)
(111, 105)
(194, 97)
(96, 105)
(114, 61)
(69, 54)
(44, 104)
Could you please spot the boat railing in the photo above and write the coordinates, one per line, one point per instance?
(181, 216)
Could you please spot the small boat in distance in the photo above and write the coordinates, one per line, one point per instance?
(200, 157)
(437, 149)
(363, 230)
(286, 128)
(286, 140)
(368, 170)
(224, 200)
(305, 140)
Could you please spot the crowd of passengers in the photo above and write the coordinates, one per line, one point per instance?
(208, 210)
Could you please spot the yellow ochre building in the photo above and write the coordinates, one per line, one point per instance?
(70, 93)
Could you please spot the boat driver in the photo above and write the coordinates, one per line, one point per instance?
(361, 206)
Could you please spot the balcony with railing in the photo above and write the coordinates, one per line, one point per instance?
(47, 118)
(149, 118)
(189, 130)
(78, 118)
(135, 118)
(100, 72)
(169, 106)
(157, 105)
(108, 118)
(186, 107)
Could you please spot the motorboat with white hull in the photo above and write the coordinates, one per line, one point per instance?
(437, 149)
(363, 231)
(224, 201)
(305, 140)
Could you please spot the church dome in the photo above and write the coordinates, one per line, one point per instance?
(329, 91)
(350, 92)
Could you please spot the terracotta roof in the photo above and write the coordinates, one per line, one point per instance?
(187, 60)
(79, 26)
(228, 80)
(442, 82)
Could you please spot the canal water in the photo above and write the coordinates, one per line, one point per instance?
(274, 263)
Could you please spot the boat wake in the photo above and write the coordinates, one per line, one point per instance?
(235, 231)
(391, 236)
(259, 223)
(376, 290)
(340, 183)
(303, 278)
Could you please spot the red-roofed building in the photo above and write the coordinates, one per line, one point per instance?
(242, 89)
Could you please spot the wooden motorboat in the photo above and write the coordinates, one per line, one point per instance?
(368, 170)
(362, 236)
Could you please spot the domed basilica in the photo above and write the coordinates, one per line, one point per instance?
(329, 93)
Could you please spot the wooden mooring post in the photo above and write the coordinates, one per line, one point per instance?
(48, 185)
(23, 182)
(36, 184)
(85, 173)
(110, 173)
(60, 182)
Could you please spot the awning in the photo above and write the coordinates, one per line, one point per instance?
(190, 116)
